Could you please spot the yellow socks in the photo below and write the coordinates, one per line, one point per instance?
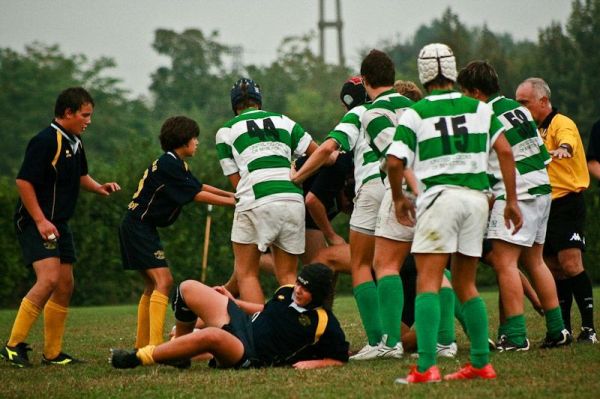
(26, 316)
(145, 355)
(158, 309)
(143, 322)
(55, 317)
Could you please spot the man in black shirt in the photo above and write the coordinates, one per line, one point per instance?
(53, 170)
(291, 329)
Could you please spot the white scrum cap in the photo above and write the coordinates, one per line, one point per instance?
(436, 59)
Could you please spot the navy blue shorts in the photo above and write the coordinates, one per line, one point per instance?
(141, 248)
(35, 248)
(566, 224)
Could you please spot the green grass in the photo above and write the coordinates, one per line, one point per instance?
(91, 331)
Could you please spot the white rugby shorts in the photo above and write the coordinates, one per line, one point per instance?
(387, 224)
(366, 206)
(279, 223)
(535, 213)
(455, 221)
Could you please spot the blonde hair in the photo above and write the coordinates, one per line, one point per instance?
(408, 89)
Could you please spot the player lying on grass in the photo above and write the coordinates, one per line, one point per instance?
(290, 329)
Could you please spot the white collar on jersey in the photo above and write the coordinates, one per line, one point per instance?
(297, 307)
(74, 141)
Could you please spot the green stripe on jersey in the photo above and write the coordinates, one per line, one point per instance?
(540, 190)
(272, 161)
(369, 157)
(250, 114)
(297, 134)
(377, 125)
(407, 136)
(447, 145)
(341, 138)
(245, 140)
(263, 189)
(446, 107)
(475, 181)
(224, 151)
(530, 164)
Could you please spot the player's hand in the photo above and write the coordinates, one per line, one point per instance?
(512, 214)
(47, 230)
(224, 291)
(336, 240)
(405, 211)
(560, 153)
(108, 188)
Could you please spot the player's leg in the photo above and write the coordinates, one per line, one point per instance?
(142, 335)
(314, 242)
(504, 258)
(205, 302)
(571, 263)
(246, 267)
(55, 316)
(163, 281)
(388, 258)
(446, 339)
(362, 247)
(336, 257)
(541, 277)
(47, 272)
(430, 271)
(286, 266)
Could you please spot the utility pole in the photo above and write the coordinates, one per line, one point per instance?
(337, 24)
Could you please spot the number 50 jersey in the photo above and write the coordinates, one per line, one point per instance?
(260, 145)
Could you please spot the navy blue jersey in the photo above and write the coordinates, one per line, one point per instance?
(54, 163)
(328, 184)
(165, 187)
(285, 334)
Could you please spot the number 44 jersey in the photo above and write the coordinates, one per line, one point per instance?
(446, 139)
(260, 146)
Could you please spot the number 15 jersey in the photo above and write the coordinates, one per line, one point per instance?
(260, 145)
(446, 138)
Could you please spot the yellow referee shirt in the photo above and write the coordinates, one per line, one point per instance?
(567, 175)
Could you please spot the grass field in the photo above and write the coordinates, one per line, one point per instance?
(565, 372)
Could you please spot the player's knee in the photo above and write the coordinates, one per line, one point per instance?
(180, 309)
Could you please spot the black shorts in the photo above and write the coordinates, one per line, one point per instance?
(566, 224)
(408, 274)
(35, 248)
(141, 248)
(240, 325)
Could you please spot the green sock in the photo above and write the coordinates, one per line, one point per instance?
(427, 322)
(368, 308)
(476, 319)
(446, 334)
(515, 329)
(554, 322)
(501, 330)
(391, 302)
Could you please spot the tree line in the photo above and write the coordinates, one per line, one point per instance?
(123, 137)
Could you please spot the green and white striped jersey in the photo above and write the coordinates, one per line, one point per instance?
(350, 136)
(446, 139)
(381, 118)
(259, 145)
(529, 151)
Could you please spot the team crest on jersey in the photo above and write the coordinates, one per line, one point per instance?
(159, 254)
(304, 320)
(280, 297)
(68, 153)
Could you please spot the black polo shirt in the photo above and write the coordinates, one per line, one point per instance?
(54, 163)
(284, 334)
(165, 187)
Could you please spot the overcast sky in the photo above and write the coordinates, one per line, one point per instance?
(124, 29)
